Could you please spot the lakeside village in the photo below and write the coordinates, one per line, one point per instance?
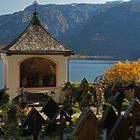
(38, 102)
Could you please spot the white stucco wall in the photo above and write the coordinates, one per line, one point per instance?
(13, 73)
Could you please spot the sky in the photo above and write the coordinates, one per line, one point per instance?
(11, 6)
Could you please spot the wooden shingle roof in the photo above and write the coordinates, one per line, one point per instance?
(35, 39)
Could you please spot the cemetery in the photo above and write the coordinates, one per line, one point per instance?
(50, 107)
(76, 118)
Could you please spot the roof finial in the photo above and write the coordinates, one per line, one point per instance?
(35, 3)
(35, 19)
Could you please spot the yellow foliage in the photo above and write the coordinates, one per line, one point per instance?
(124, 72)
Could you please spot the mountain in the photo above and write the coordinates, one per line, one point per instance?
(63, 21)
(114, 32)
(110, 29)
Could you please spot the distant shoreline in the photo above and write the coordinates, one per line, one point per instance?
(102, 58)
(83, 57)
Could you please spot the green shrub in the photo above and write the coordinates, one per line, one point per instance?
(4, 98)
(125, 105)
(12, 116)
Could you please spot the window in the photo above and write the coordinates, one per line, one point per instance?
(37, 72)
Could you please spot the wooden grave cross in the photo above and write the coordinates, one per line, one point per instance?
(108, 119)
(120, 130)
(134, 109)
(84, 85)
(34, 121)
(50, 108)
(87, 127)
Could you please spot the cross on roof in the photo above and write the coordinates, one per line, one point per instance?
(35, 3)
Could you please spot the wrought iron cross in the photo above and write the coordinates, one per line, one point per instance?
(35, 5)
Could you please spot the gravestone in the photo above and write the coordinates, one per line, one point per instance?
(55, 114)
(50, 108)
(54, 126)
(34, 121)
(84, 87)
(87, 127)
(108, 119)
(125, 126)
(107, 93)
(131, 114)
(120, 130)
(117, 101)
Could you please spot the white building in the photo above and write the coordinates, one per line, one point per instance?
(35, 60)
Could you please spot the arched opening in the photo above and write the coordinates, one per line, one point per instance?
(37, 72)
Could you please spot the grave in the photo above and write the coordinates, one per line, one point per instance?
(125, 126)
(31, 99)
(120, 130)
(34, 121)
(117, 100)
(87, 127)
(84, 88)
(50, 108)
(131, 116)
(108, 119)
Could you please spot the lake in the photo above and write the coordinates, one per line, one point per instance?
(78, 69)
(90, 69)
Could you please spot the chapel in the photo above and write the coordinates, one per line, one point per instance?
(35, 61)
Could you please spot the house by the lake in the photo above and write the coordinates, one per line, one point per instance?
(36, 61)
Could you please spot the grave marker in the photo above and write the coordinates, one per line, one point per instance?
(120, 130)
(109, 118)
(87, 127)
(34, 121)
